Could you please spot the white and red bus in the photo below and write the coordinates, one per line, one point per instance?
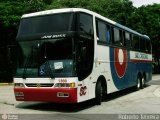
(72, 55)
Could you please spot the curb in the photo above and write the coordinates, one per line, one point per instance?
(2, 84)
(153, 75)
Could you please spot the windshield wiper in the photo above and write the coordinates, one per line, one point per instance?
(27, 63)
(47, 64)
(25, 67)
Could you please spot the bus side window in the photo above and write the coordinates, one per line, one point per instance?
(142, 44)
(128, 39)
(86, 24)
(117, 35)
(108, 33)
(101, 31)
(85, 49)
(122, 38)
(148, 46)
(135, 42)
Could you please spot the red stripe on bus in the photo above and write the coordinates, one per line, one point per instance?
(141, 61)
(47, 94)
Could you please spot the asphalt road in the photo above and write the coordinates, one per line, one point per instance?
(114, 106)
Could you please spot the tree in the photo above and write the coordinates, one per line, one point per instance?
(146, 20)
(10, 14)
(117, 10)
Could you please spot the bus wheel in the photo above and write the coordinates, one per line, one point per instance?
(138, 86)
(98, 92)
(143, 82)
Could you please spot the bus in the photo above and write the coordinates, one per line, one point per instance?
(72, 55)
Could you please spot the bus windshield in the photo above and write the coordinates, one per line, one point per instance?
(69, 52)
(45, 58)
(41, 25)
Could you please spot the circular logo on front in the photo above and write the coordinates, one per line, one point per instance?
(120, 61)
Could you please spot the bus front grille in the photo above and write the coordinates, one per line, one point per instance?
(38, 85)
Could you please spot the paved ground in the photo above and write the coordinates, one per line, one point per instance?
(145, 101)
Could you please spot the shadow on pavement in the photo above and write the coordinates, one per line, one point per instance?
(121, 93)
(56, 107)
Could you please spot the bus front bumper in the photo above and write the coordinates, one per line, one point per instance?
(58, 95)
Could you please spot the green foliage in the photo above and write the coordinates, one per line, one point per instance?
(9, 14)
(102, 7)
(68, 4)
(11, 11)
(146, 20)
(118, 10)
(34, 5)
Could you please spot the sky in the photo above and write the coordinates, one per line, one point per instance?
(138, 3)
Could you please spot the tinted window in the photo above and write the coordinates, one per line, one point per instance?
(86, 24)
(117, 35)
(135, 42)
(85, 46)
(46, 24)
(108, 33)
(128, 39)
(127, 36)
(142, 44)
(101, 31)
(148, 46)
(122, 39)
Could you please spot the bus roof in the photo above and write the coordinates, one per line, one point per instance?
(66, 10)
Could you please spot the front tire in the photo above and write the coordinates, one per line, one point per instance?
(98, 92)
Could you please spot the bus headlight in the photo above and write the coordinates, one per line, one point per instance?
(71, 85)
(19, 85)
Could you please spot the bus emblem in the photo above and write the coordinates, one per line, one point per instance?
(41, 71)
(38, 85)
(120, 61)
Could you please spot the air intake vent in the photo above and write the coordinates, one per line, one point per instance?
(38, 85)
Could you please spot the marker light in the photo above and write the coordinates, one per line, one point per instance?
(71, 85)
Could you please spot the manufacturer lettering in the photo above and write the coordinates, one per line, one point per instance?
(53, 36)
